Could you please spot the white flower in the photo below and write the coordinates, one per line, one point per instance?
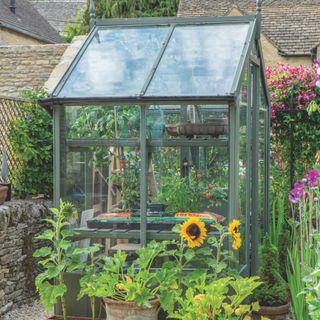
(318, 70)
(318, 83)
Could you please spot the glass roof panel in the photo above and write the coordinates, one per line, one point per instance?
(116, 63)
(200, 60)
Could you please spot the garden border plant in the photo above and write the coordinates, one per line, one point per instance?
(31, 139)
(111, 277)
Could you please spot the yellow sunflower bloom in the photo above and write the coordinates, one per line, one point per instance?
(234, 227)
(236, 241)
(194, 232)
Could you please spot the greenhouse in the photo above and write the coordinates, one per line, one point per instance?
(157, 120)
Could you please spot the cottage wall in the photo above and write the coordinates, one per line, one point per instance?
(27, 67)
(10, 37)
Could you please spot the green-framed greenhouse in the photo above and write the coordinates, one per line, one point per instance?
(163, 115)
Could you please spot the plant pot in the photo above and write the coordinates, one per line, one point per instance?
(213, 128)
(71, 318)
(274, 313)
(3, 194)
(8, 198)
(127, 310)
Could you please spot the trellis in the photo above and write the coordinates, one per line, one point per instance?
(9, 110)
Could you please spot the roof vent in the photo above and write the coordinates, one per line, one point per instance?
(13, 6)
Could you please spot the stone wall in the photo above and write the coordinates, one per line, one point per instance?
(27, 67)
(20, 222)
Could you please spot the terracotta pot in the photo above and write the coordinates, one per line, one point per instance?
(8, 185)
(3, 194)
(275, 313)
(126, 310)
(71, 318)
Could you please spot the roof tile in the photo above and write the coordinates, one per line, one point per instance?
(291, 25)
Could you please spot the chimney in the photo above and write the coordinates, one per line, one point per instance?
(13, 6)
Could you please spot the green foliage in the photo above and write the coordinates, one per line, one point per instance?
(312, 287)
(186, 194)
(296, 285)
(306, 140)
(279, 233)
(121, 9)
(136, 283)
(219, 300)
(57, 258)
(32, 144)
(273, 292)
(89, 282)
(212, 260)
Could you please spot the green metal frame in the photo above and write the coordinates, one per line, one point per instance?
(233, 103)
(56, 157)
(255, 169)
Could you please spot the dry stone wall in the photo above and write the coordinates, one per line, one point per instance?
(27, 67)
(20, 222)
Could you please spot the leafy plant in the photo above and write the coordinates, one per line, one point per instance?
(136, 283)
(312, 288)
(296, 285)
(58, 258)
(219, 300)
(273, 291)
(32, 143)
(89, 282)
(210, 256)
(189, 194)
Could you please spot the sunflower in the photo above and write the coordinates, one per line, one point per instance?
(234, 227)
(233, 230)
(194, 232)
(236, 244)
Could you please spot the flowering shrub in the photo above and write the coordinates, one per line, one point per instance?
(283, 78)
(296, 85)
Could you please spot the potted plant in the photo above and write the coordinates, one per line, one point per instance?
(130, 292)
(58, 258)
(273, 294)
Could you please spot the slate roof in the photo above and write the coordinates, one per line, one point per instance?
(27, 20)
(293, 26)
(58, 12)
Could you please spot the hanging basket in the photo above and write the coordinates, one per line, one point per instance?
(214, 128)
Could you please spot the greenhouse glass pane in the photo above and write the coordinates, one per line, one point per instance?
(200, 61)
(115, 63)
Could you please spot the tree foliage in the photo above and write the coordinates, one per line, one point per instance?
(106, 9)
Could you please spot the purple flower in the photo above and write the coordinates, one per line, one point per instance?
(297, 192)
(313, 177)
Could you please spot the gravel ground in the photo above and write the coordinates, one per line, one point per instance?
(28, 312)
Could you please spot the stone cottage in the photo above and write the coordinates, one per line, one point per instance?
(29, 47)
(290, 27)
